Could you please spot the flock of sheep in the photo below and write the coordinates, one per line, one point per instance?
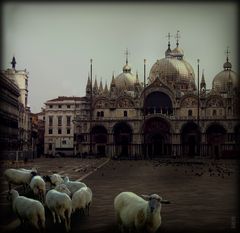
(66, 197)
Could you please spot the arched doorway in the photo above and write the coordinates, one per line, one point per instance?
(157, 137)
(190, 139)
(122, 133)
(158, 102)
(215, 137)
(99, 135)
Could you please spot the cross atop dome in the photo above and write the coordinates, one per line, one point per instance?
(126, 53)
(177, 36)
(169, 37)
(227, 52)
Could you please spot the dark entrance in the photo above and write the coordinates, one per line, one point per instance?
(157, 136)
(190, 139)
(215, 138)
(99, 134)
(122, 139)
(158, 102)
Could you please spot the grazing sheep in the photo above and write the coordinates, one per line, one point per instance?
(73, 186)
(82, 199)
(133, 212)
(28, 210)
(60, 205)
(19, 177)
(54, 179)
(38, 186)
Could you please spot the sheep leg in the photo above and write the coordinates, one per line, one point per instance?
(9, 186)
(59, 219)
(34, 222)
(54, 216)
(69, 219)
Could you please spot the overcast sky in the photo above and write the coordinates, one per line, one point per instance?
(55, 42)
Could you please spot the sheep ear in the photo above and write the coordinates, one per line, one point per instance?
(145, 196)
(165, 202)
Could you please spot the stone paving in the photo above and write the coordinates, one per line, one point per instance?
(203, 194)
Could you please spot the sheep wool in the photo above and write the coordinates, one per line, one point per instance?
(82, 199)
(135, 213)
(28, 210)
(60, 205)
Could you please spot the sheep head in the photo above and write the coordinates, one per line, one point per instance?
(154, 201)
(12, 194)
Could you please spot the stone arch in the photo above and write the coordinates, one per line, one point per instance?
(215, 136)
(101, 103)
(158, 102)
(124, 102)
(157, 137)
(190, 139)
(100, 139)
(122, 136)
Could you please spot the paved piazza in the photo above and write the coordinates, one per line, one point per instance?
(203, 193)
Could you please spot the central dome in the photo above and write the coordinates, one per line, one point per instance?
(176, 72)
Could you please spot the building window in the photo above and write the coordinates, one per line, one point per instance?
(68, 131)
(59, 106)
(214, 112)
(50, 146)
(98, 114)
(64, 142)
(59, 131)
(50, 119)
(68, 106)
(189, 112)
(102, 113)
(50, 131)
(59, 120)
(68, 120)
(50, 106)
(125, 113)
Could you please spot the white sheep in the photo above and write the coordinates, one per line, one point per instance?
(60, 205)
(73, 186)
(28, 210)
(18, 177)
(133, 212)
(38, 186)
(62, 188)
(82, 199)
(54, 179)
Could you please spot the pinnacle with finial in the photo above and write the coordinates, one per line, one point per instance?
(13, 62)
(227, 52)
(126, 53)
(177, 36)
(169, 37)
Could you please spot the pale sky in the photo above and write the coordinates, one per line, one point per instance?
(55, 41)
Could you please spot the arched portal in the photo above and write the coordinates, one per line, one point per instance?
(190, 139)
(216, 135)
(158, 102)
(157, 137)
(100, 135)
(122, 134)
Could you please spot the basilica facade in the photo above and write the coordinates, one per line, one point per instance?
(171, 113)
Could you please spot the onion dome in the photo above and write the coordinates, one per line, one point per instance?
(222, 79)
(125, 80)
(225, 78)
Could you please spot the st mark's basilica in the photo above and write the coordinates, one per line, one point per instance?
(170, 113)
